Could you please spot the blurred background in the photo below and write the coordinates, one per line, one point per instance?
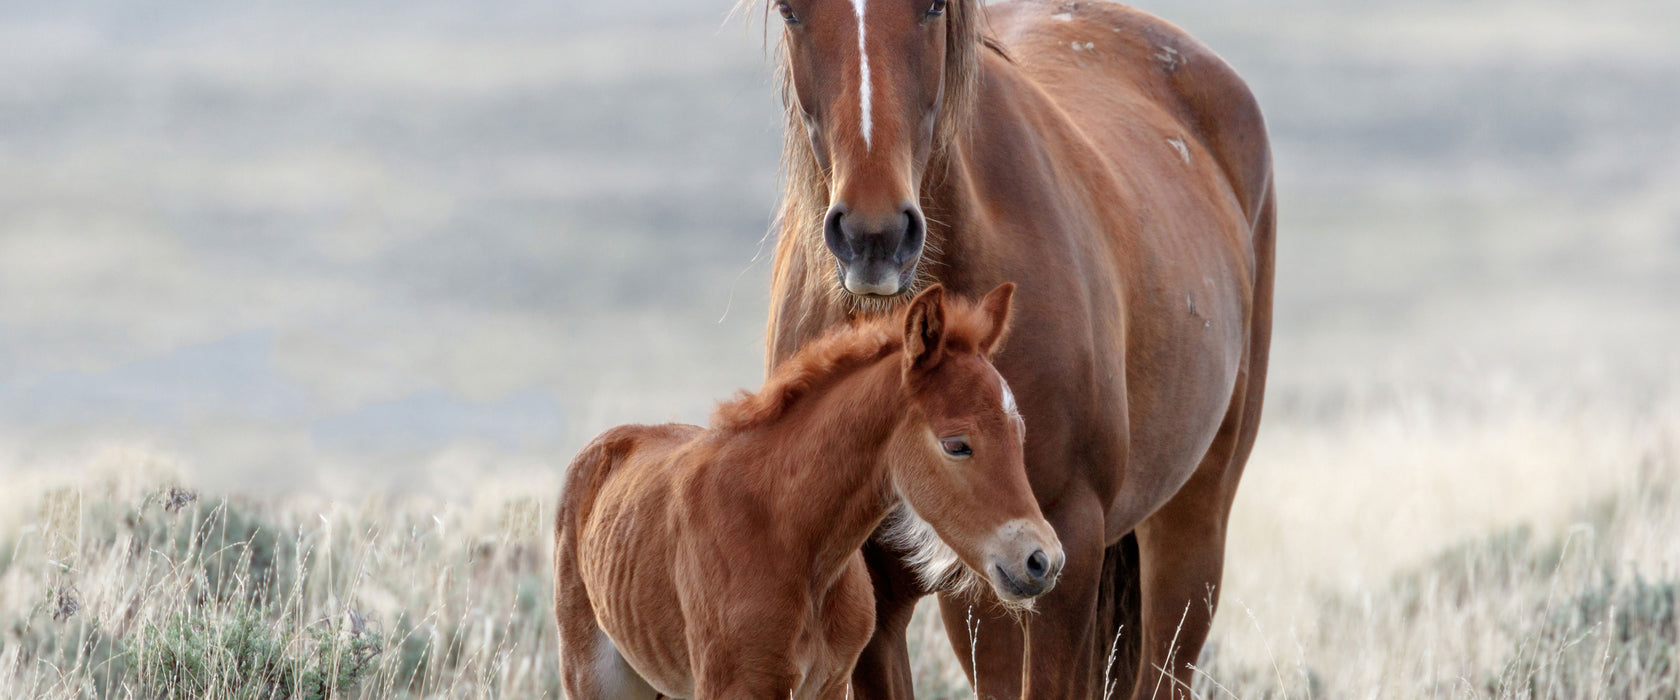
(375, 269)
(381, 244)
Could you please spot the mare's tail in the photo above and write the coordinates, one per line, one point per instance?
(1119, 623)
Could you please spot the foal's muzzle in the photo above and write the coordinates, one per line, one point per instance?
(877, 255)
(1025, 560)
(1031, 578)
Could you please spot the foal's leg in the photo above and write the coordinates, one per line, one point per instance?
(725, 672)
(596, 670)
(590, 665)
(848, 620)
(883, 669)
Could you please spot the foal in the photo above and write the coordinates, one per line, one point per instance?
(724, 562)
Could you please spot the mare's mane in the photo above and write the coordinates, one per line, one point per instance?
(839, 353)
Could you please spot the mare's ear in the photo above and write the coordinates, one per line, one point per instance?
(995, 307)
(924, 329)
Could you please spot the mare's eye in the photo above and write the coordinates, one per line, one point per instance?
(956, 447)
(787, 12)
(937, 8)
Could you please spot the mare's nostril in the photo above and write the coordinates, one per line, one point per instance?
(835, 236)
(1038, 564)
(910, 243)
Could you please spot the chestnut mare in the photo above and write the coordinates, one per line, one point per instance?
(1120, 172)
(725, 563)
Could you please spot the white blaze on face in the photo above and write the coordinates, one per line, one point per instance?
(861, 6)
(1009, 407)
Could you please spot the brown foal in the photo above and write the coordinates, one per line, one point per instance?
(724, 562)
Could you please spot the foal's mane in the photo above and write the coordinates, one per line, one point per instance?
(836, 355)
(805, 186)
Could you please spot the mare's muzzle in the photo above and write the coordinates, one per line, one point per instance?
(877, 256)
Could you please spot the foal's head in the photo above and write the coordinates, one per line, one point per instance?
(875, 88)
(957, 459)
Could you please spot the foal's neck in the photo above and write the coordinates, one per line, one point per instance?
(823, 469)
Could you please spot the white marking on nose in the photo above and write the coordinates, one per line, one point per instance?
(861, 6)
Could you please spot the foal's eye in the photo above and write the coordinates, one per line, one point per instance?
(937, 8)
(956, 447)
(787, 12)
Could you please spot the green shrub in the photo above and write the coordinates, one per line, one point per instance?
(236, 653)
(416, 655)
(1614, 638)
(239, 550)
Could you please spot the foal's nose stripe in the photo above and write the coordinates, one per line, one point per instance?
(861, 6)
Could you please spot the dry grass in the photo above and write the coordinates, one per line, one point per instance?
(117, 589)
(1472, 540)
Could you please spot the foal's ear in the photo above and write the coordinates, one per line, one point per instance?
(924, 329)
(995, 307)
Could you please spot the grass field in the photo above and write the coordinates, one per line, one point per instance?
(1485, 538)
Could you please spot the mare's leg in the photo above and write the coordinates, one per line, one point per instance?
(1061, 630)
(1181, 549)
(883, 669)
(984, 637)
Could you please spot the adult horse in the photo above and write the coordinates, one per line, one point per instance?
(1117, 170)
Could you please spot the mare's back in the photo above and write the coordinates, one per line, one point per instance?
(1141, 87)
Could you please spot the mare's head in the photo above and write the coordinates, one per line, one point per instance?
(874, 89)
(957, 458)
